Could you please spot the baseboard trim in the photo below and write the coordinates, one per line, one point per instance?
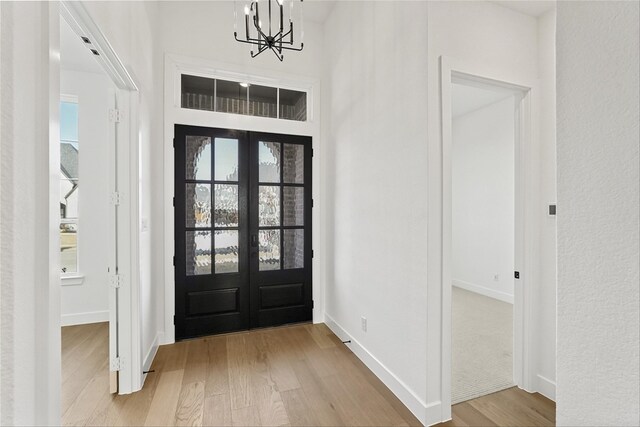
(546, 387)
(427, 414)
(482, 290)
(84, 318)
(151, 354)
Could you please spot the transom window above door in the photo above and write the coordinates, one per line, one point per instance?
(245, 98)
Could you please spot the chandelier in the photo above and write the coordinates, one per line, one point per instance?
(272, 34)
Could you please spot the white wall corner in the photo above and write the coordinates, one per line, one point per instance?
(84, 318)
(483, 290)
(151, 354)
(427, 414)
(546, 387)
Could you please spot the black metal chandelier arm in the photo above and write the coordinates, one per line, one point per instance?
(249, 41)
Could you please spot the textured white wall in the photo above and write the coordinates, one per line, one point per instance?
(375, 131)
(29, 212)
(89, 301)
(483, 202)
(598, 356)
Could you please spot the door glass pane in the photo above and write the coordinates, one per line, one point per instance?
(197, 92)
(226, 157)
(269, 205)
(231, 97)
(293, 206)
(293, 105)
(293, 248)
(269, 255)
(226, 251)
(263, 101)
(226, 205)
(269, 161)
(198, 158)
(198, 197)
(293, 166)
(198, 252)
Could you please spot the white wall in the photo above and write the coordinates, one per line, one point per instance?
(202, 33)
(29, 246)
(375, 106)
(503, 43)
(88, 302)
(598, 203)
(133, 29)
(483, 200)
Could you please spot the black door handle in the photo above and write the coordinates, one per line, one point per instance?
(254, 241)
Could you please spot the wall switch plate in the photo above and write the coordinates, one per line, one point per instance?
(552, 210)
(364, 323)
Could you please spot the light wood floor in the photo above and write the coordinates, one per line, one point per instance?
(298, 375)
(510, 407)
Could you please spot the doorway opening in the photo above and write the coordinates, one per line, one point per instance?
(242, 230)
(483, 244)
(87, 94)
(98, 225)
(489, 235)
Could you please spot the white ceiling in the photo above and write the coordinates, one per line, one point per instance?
(465, 99)
(74, 54)
(528, 7)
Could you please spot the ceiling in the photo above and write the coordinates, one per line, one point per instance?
(466, 99)
(74, 54)
(531, 8)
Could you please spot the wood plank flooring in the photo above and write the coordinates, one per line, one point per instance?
(298, 375)
(510, 407)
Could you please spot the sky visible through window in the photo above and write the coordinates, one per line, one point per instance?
(69, 122)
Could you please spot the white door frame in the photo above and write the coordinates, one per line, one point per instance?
(452, 71)
(124, 316)
(174, 66)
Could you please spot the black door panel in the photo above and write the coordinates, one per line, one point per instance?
(242, 230)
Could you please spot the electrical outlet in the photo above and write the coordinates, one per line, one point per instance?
(364, 323)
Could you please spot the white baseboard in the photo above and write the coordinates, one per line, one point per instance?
(84, 318)
(151, 354)
(482, 290)
(546, 387)
(427, 414)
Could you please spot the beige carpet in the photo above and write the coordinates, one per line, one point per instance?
(482, 345)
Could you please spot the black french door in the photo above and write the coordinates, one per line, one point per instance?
(242, 230)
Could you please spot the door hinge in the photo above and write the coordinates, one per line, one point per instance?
(312, 203)
(174, 202)
(174, 260)
(116, 364)
(174, 143)
(516, 274)
(312, 152)
(114, 115)
(312, 253)
(115, 281)
(313, 304)
(174, 319)
(115, 198)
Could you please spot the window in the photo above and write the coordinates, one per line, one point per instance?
(203, 93)
(69, 185)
